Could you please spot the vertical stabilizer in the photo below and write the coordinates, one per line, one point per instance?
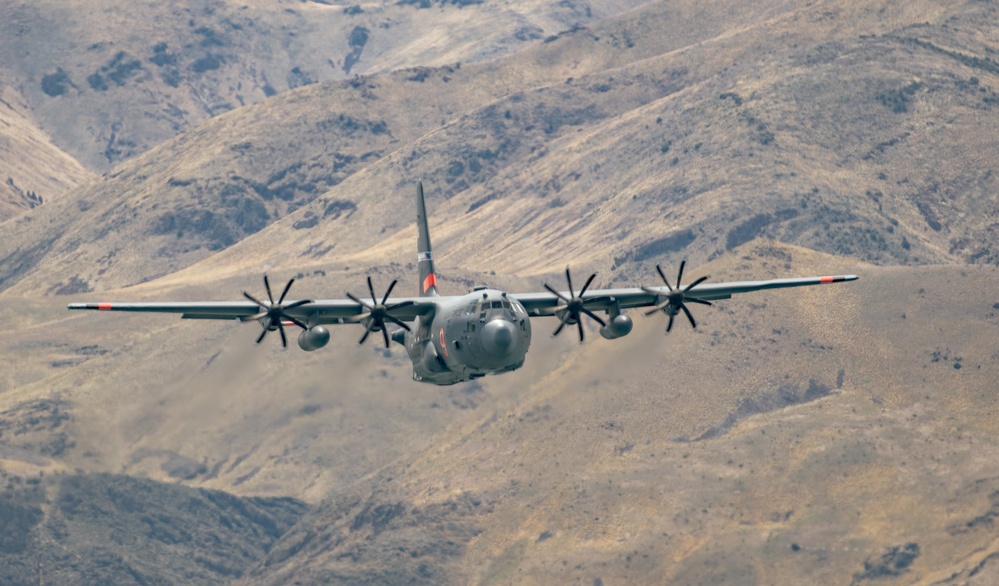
(425, 255)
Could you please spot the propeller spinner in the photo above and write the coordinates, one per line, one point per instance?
(276, 313)
(675, 301)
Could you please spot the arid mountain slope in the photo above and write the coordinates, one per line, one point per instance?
(111, 529)
(109, 80)
(833, 436)
(840, 434)
(32, 168)
(815, 134)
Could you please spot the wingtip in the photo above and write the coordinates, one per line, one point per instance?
(837, 279)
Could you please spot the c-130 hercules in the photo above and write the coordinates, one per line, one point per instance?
(456, 338)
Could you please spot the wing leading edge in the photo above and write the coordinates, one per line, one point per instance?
(330, 311)
(627, 298)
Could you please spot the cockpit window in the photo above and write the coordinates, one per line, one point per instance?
(497, 304)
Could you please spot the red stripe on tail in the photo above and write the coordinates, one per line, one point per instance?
(430, 281)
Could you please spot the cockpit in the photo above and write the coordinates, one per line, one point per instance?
(490, 304)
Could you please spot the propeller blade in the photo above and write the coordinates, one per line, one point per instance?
(374, 300)
(296, 304)
(658, 308)
(556, 293)
(669, 326)
(693, 323)
(297, 322)
(267, 285)
(568, 279)
(256, 316)
(595, 317)
(255, 300)
(695, 283)
(398, 322)
(385, 335)
(285, 292)
(701, 301)
(389, 291)
(399, 305)
(367, 332)
(357, 301)
(558, 330)
(262, 334)
(581, 335)
(587, 285)
(284, 339)
(663, 277)
(679, 275)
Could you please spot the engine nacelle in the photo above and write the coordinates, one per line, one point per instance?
(313, 338)
(619, 325)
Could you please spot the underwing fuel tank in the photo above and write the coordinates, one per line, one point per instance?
(313, 338)
(617, 327)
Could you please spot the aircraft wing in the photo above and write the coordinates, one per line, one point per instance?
(329, 311)
(543, 303)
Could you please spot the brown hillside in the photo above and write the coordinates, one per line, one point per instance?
(814, 135)
(32, 169)
(848, 421)
(830, 436)
(109, 80)
(838, 434)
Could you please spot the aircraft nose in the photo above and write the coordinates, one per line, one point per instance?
(499, 336)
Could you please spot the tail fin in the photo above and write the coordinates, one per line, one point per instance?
(425, 256)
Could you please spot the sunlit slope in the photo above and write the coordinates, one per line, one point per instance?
(32, 169)
(108, 80)
(824, 436)
(686, 155)
(839, 135)
(238, 173)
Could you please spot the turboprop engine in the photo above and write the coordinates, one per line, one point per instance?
(313, 338)
(620, 325)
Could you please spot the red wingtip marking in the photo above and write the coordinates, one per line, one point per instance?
(429, 282)
(104, 306)
(826, 279)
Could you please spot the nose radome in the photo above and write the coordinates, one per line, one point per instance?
(499, 337)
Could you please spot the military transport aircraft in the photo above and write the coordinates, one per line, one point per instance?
(451, 339)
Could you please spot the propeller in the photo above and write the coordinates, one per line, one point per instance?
(675, 301)
(570, 309)
(276, 313)
(376, 314)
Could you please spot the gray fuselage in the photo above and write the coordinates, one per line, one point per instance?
(484, 332)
